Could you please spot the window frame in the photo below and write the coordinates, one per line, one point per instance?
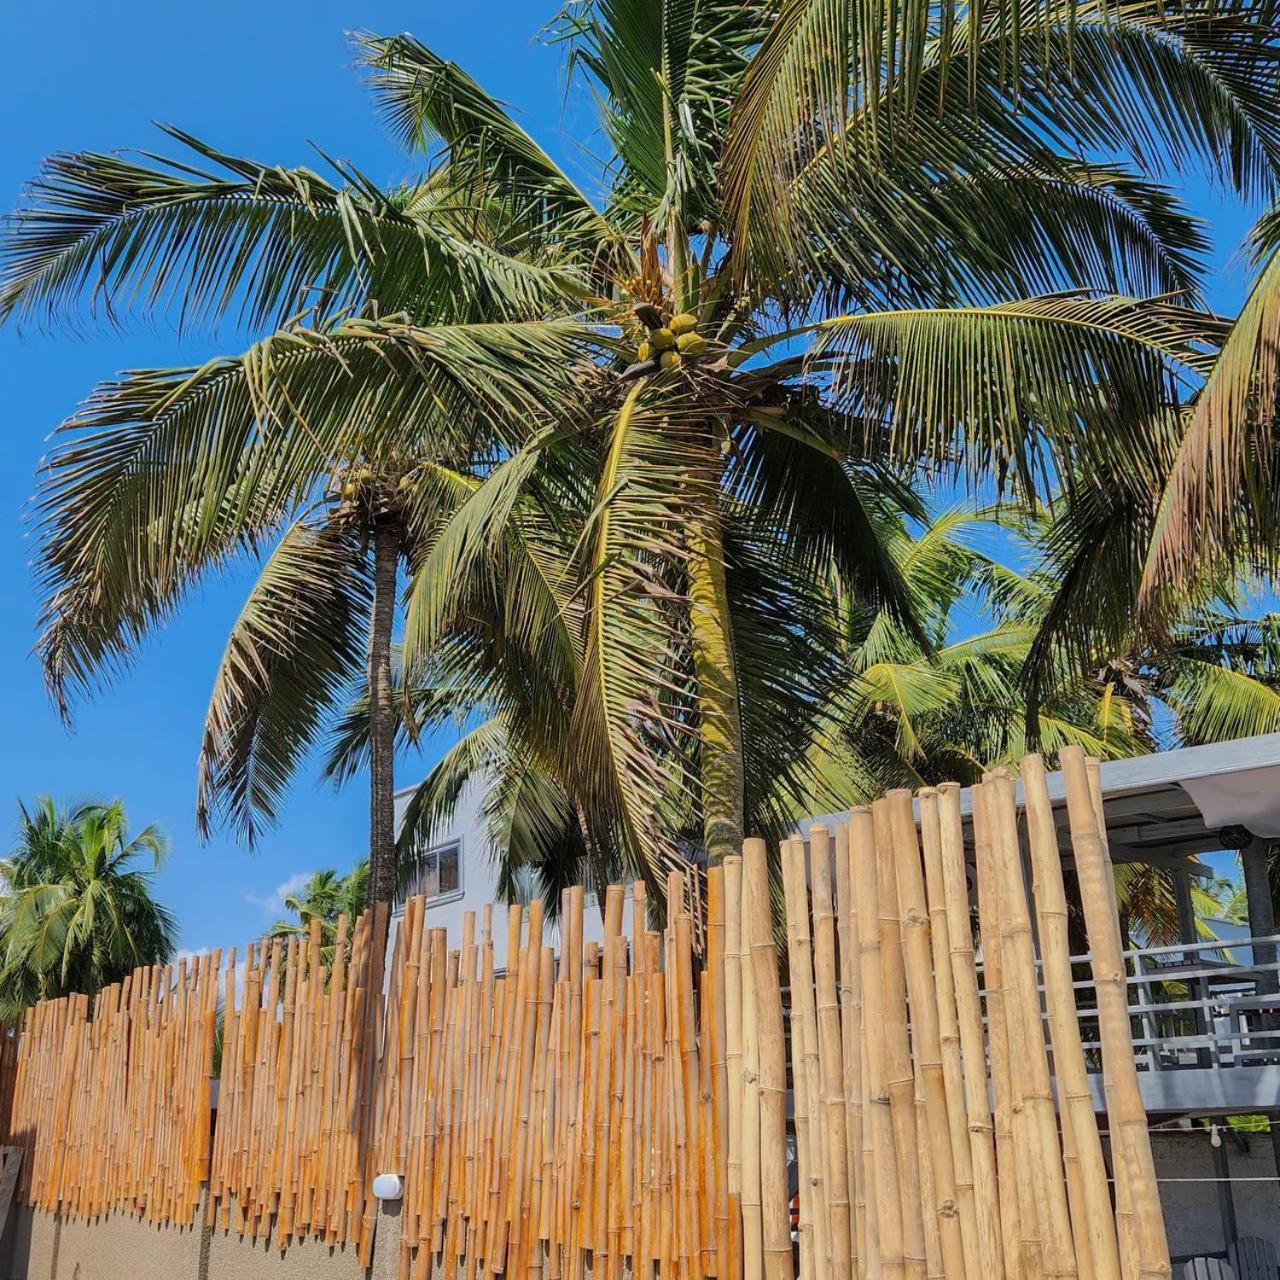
(448, 895)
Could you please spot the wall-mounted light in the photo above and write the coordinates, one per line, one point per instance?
(387, 1186)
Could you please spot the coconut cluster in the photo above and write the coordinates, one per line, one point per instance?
(354, 481)
(670, 345)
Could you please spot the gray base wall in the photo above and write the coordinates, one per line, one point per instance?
(43, 1246)
(38, 1246)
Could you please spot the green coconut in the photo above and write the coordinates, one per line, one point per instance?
(685, 322)
(663, 339)
(670, 360)
(644, 352)
(691, 344)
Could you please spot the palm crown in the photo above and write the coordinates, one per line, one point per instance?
(876, 234)
(77, 912)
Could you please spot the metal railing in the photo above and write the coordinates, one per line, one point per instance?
(1208, 1004)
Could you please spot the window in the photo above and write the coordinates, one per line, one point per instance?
(439, 872)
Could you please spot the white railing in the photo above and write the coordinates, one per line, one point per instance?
(1212, 1004)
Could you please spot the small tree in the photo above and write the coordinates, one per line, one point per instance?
(325, 897)
(77, 913)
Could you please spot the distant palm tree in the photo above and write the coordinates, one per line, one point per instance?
(77, 914)
(325, 897)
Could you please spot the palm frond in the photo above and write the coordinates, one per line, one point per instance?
(1221, 500)
(259, 242)
(163, 475)
(296, 648)
(1024, 389)
(429, 102)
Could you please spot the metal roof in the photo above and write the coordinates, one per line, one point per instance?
(1166, 806)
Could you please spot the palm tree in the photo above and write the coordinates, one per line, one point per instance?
(963, 706)
(895, 711)
(637, 431)
(326, 896)
(77, 914)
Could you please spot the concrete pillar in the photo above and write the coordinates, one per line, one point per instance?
(1186, 909)
(386, 1243)
(1262, 916)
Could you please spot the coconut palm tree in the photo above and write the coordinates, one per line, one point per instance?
(893, 712)
(830, 246)
(1221, 501)
(77, 912)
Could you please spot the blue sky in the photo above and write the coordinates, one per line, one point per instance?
(262, 79)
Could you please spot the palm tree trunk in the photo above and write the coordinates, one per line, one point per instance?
(382, 835)
(715, 669)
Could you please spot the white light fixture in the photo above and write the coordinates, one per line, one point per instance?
(387, 1186)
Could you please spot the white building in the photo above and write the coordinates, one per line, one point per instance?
(459, 875)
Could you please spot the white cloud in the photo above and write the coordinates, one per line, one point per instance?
(273, 904)
(188, 954)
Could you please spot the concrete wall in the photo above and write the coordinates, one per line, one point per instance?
(1192, 1209)
(41, 1246)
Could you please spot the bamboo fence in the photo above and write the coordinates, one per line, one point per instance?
(621, 1107)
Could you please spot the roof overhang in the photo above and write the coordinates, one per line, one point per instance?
(1170, 805)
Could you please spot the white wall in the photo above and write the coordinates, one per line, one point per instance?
(478, 876)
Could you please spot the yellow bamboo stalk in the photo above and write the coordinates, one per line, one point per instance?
(925, 1032)
(954, 891)
(1094, 1223)
(949, 1030)
(830, 1055)
(1026, 1026)
(881, 1170)
(734, 1058)
(901, 1082)
(1127, 1120)
(1018, 1210)
(804, 1061)
(850, 1047)
(767, 997)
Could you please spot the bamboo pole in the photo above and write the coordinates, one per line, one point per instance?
(830, 1056)
(949, 1030)
(767, 995)
(804, 1063)
(1131, 1145)
(1018, 1210)
(888, 1259)
(901, 1080)
(955, 892)
(925, 1033)
(851, 1049)
(1094, 1223)
(734, 1060)
(1027, 1027)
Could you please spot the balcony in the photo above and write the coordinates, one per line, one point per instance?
(1206, 1025)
